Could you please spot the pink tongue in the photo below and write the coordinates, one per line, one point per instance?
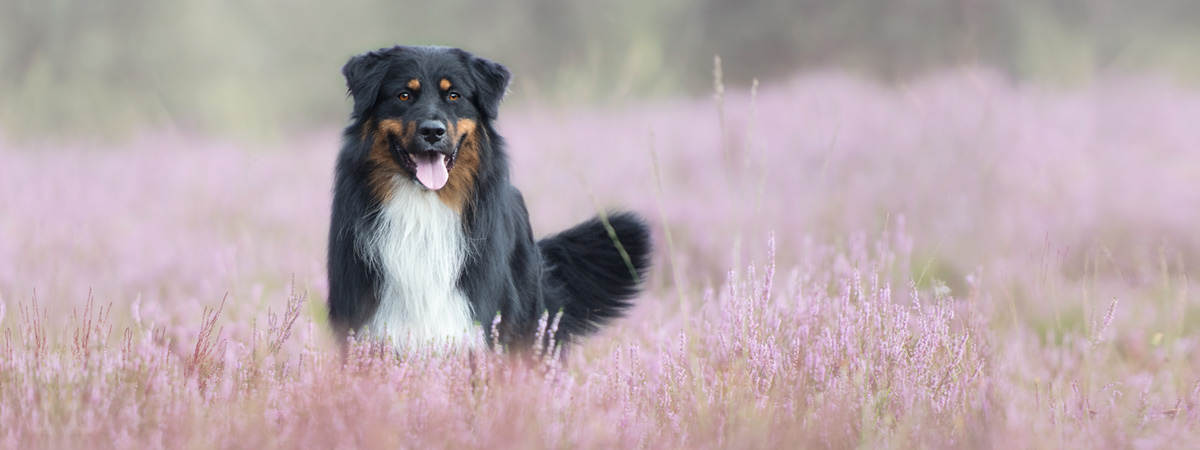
(431, 169)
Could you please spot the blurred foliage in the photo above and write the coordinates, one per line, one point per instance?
(72, 68)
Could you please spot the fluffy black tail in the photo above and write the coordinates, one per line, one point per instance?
(592, 271)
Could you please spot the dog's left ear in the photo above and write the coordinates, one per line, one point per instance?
(364, 74)
(492, 80)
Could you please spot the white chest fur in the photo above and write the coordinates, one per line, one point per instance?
(419, 248)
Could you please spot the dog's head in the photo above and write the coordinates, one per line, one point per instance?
(424, 106)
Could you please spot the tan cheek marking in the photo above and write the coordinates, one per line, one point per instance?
(444, 84)
(410, 130)
(383, 167)
(465, 127)
(457, 193)
(404, 130)
(366, 130)
(414, 84)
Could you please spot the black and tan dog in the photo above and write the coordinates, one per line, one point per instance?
(428, 238)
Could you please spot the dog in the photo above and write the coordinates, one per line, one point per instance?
(428, 239)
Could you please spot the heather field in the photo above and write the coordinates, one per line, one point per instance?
(957, 262)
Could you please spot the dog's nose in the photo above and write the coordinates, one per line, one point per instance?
(432, 130)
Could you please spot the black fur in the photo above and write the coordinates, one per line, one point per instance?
(580, 271)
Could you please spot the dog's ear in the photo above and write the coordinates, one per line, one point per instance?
(364, 74)
(492, 80)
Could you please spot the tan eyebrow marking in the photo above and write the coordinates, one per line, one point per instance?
(445, 84)
(414, 84)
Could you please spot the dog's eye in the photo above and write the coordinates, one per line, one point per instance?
(453, 96)
(405, 96)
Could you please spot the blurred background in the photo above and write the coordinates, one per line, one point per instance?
(261, 69)
(167, 154)
(1029, 165)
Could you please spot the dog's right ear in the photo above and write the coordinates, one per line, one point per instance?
(364, 74)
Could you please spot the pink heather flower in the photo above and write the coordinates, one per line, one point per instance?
(994, 175)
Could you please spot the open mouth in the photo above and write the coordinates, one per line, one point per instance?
(432, 168)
